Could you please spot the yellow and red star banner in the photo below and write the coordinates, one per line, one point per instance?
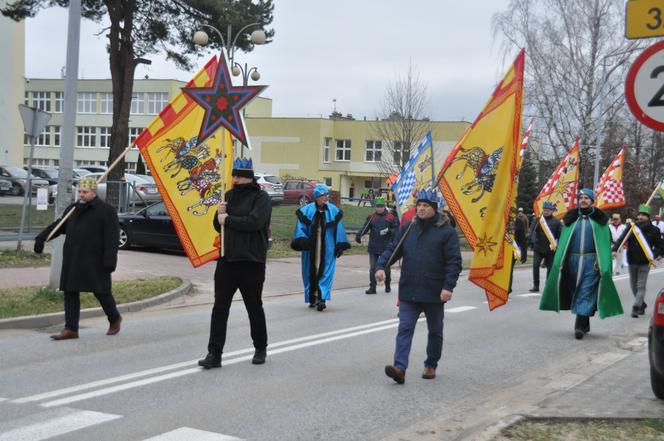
(189, 175)
(478, 181)
(561, 188)
(609, 191)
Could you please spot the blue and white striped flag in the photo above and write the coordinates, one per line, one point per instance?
(418, 174)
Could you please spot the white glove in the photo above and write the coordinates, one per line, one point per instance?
(384, 231)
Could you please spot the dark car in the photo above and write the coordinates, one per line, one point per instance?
(656, 346)
(298, 191)
(149, 227)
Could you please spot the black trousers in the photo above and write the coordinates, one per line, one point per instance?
(248, 277)
(537, 261)
(373, 259)
(73, 308)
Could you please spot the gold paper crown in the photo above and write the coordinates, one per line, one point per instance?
(88, 183)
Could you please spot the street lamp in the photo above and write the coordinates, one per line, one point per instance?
(258, 36)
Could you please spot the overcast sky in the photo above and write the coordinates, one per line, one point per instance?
(344, 49)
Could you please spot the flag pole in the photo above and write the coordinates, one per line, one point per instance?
(223, 189)
(101, 178)
(652, 195)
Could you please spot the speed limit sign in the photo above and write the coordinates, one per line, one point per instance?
(644, 87)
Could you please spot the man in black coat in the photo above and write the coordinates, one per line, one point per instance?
(89, 257)
(245, 217)
(543, 249)
(639, 263)
(381, 226)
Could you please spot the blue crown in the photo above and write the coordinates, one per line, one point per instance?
(429, 195)
(243, 164)
(320, 190)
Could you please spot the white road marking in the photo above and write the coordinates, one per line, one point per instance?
(460, 309)
(56, 426)
(530, 294)
(188, 434)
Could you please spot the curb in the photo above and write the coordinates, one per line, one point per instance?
(54, 318)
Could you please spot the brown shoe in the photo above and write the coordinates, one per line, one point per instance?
(114, 327)
(429, 373)
(395, 373)
(65, 334)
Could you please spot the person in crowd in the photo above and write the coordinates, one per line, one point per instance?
(89, 256)
(544, 238)
(381, 225)
(430, 268)
(616, 227)
(521, 228)
(321, 237)
(244, 216)
(581, 279)
(639, 259)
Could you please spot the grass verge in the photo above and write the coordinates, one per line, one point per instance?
(16, 302)
(281, 248)
(587, 429)
(17, 259)
(11, 216)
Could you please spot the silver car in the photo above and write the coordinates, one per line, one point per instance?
(19, 180)
(272, 187)
(5, 186)
(139, 189)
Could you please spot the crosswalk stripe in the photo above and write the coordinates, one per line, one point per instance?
(49, 426)
(461, 309)
(189, 434)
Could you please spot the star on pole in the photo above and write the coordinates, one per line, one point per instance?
(223, 104)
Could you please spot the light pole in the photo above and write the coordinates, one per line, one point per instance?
(257, 37)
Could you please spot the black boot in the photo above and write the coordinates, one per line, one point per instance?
(642, 309)
(387, 287)
(210, 361)
(321, 305)
(534, 289)
(371, 290)
(635, 311)
(581, 326)
(259, 356)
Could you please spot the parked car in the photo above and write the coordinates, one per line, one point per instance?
(19, 180)
(48, 173)
(5, 186)
(298, 191)
(272, 186)
(94, 168)
(149, 227)
(80, 172)
(656, 346)
(146, 190)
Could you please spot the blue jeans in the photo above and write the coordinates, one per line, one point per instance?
(409, 313)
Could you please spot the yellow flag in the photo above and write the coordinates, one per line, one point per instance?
(190, 176)
(561, 188)
(478, 181)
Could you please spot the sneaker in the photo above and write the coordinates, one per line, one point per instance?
(396, 374)
(370, 291)
(534, 289)
(210, 361)
(259, 356)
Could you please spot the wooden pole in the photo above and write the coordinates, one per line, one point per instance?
(223, 188)
(101, 178)
(405, 234)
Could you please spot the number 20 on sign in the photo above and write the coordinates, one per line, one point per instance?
(644, 87)
(644, 18)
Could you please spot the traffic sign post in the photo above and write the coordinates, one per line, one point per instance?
(644, 87)
(644, 18)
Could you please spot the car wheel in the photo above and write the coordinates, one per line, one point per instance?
(657, 383)
(303, 200)
(17, 190)
(124, 238)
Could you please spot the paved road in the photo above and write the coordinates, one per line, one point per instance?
(324, 377)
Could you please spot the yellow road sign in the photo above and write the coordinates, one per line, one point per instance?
(644, 18)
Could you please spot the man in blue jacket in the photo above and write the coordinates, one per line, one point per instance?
(381, 226)
(430, 268)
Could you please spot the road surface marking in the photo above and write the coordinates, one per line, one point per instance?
(530, 294)
(188, 434)
(54, 426)
(461, 309)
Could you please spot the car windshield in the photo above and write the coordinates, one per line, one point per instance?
(17, 172)
(50, 172)
(82, 172)
(271, 179)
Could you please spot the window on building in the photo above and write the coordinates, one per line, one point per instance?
(27, 99)
(133, 133)
(56, 136)
(42, 101)
(327, 142)
(106, 102)
(343, 150)
(86, 102)
(105, 137)
(137, 104)
(373, 151)
(26, 139)
(56, 163)
(59, 102)
(130, 167)
(401, 153)
(156, 102)
(328, 182)
(44, 138)
(86, 136)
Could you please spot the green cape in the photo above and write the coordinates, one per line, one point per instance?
(608, 301)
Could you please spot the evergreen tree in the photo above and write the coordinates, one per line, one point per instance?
(528, 184)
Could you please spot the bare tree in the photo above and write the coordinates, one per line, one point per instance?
(576, 63)
(402, 121)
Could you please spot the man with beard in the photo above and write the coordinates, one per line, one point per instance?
(581, 273)
(245, 218)
(321, 237)
(89, 257)
(648, 236)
